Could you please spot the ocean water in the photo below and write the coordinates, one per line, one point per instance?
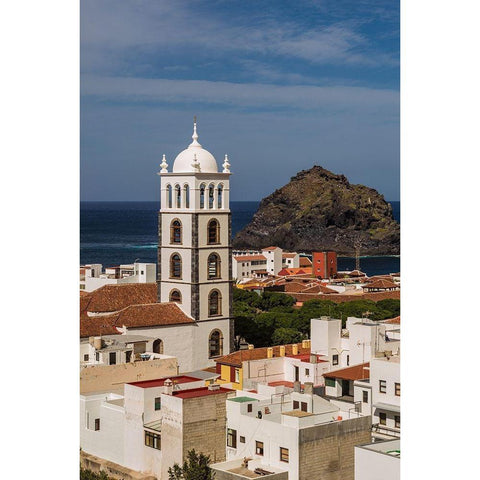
(112, 233)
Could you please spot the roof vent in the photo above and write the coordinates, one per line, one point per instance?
(214, 386)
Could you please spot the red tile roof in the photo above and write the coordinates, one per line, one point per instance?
(200, 392)
(393, 321)
(134, 316)
(236, 358)
(289, 255)
(112, 298)
(380, 284)
(159, 382)
(356, 372)
(249, 258)
(305, 262)
(269, 248)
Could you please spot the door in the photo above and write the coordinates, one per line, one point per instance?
(297, 374)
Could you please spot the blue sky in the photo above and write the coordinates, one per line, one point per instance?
(278, 85)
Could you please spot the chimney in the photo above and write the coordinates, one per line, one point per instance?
(313, 358)
(214, 387)
(97, 343)
(297, 386)
(282, 350)
(269, 352)
(308, 388)
(304, 343)
(168, 387)
(250, 346)
(295, 349)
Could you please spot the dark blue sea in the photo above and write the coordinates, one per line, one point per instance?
(112, 233)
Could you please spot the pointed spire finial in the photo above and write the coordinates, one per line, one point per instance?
(226, 165)
(164, 165)
(195, 135)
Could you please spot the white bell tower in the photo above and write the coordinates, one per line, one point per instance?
(194, 247)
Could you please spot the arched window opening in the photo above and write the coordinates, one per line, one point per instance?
(215, 344)
(220, 196)
(186, 191)
(158, 346)
(175, 266)
(169, 196)
(211, 196)
(213, 232)
(178, 196)
(214, 303)
(175, 296)
(202, 196)
(213, 266)
(176, 231)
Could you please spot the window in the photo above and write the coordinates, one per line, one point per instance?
(211, 196)
(213, 266)
(158, 403)
(215, 344)
(158, 346)
(330, 382)
(186, 192)
(284, 454)
(112, 358)
(214, 233)
(382, 386)
(383, 418)
(175, 266)
(220, 196)
(397, 421)
(176, 231)
(237, 375)
(335, 360)
(214, 303)
(169, 196)
(97, 424)
(307, 372)
(397, 389)
(128, 356)
(178, 196)
(348, 360)
(242, 439)
(202, 196)
(231, 438)
(296, 405)
(249, 407)
(86, 357)
(258, 447)
(97, 356)
(365, 396)
(175, 296)
(153, 440)
(304, 406)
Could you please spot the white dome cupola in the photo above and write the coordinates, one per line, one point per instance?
(195, 158)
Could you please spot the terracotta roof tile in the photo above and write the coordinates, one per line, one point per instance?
(381, 283)
(236, 358)
(111, 298)
(356, 372)
(269, 248)
(305, 262)
(249, 258)
(392, 321)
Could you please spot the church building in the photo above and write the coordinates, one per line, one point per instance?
(194, 248)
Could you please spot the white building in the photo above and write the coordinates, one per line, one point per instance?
(194, 254)
(267, 262)
(151, 425)
(293, 432)
(378, 461)
(92, 277)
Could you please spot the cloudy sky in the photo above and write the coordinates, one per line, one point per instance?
(278, 85)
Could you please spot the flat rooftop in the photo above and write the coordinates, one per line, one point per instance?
(161, 381)
(200, 392)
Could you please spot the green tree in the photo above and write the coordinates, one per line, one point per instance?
(196, 467)
(283, 336)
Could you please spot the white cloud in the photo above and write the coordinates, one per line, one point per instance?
(244, 95)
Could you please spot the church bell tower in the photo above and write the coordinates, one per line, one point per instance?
(194, 247)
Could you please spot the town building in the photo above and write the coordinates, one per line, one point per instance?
(378, 461)
(194, 247)
(269, 261)
(151, 425)
(324, 264)
(303, 434)
(93, 277)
